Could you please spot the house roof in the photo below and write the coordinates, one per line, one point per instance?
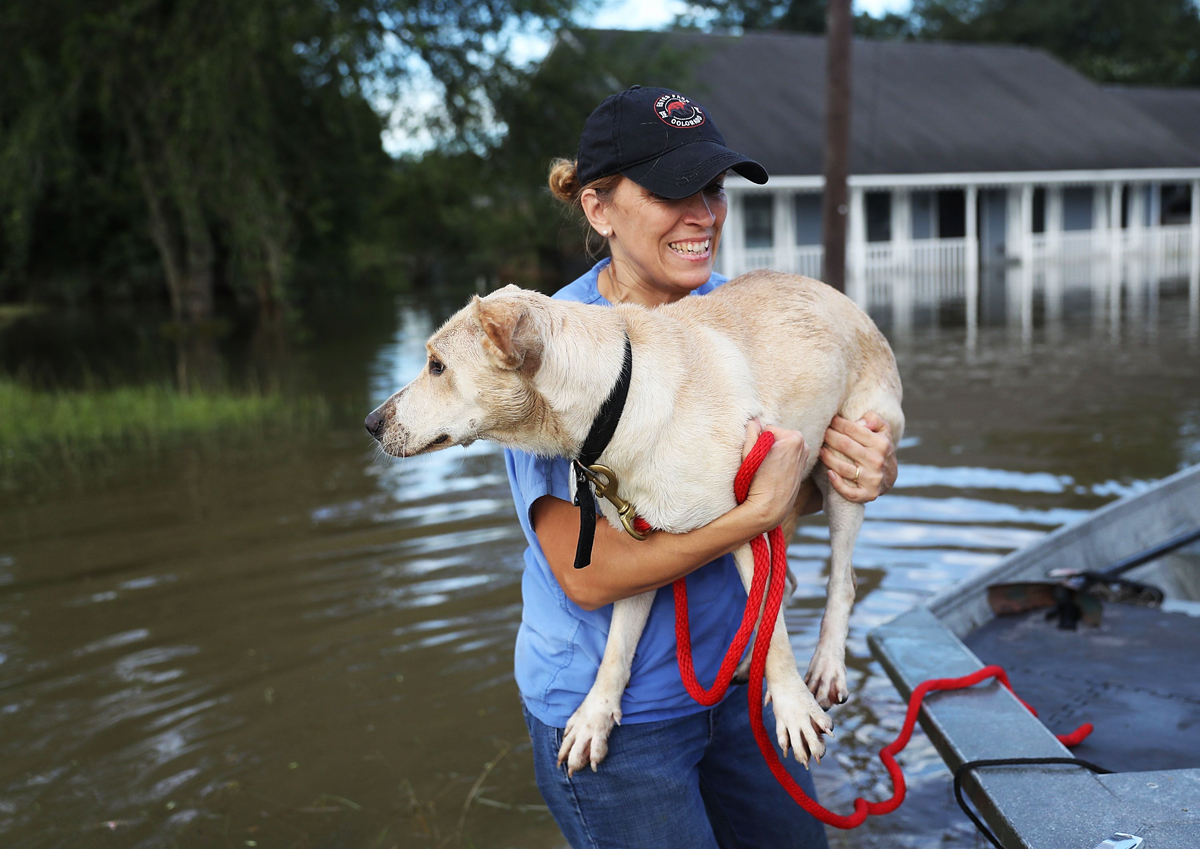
(920, 107)
(1177, 109)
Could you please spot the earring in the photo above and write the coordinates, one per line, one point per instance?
(604, 233)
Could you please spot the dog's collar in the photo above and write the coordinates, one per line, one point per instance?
(599, 435)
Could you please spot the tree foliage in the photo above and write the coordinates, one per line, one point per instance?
(487, 209)
(205, 152)
(806, 16)
(1153, 42)
(218, 146)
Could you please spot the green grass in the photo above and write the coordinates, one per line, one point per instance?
(70, 425)
(11, 312)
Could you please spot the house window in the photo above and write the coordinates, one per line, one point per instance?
(924, 216)
(951, 214)
(1077, 208)
(759, 212)
(879, 216)
(808, 219)
(1176, 203)
(1039, 210)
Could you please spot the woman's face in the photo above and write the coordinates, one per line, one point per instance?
(660, 245)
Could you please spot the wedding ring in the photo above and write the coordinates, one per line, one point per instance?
(857, 472)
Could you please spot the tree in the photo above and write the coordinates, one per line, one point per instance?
(237, 134)
(785, 16)
(1153, 42)
(485, 208)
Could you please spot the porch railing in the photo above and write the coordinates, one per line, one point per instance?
(928, 271)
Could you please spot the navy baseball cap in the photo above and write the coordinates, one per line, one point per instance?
(661, 140)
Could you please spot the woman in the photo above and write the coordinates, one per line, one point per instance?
(649, 179)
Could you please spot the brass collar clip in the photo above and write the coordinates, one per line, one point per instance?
(605, 481)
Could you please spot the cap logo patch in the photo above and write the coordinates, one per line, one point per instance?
(675, 110)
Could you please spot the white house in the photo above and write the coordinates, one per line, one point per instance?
(966, 161)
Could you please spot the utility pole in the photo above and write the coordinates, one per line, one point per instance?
(835, 203)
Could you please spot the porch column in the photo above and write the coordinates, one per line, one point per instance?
(972, 263)
(1054, 219)
(784, 232)
(1099, 218)
(903, 280)
(901, 221)
(1100, 249)
(1012, 224)
(729, 253)
(1137, 217)
(1155, 245)
(1054, 258)
(1194, 271)
(1026, 231)
(1115, 259)
(1116, 236)
(1026, 212)
(857, 289)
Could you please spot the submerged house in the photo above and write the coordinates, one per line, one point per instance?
(965, 161)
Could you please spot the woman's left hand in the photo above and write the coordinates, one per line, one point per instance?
(863, 449)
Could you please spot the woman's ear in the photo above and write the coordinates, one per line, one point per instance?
(596, 212)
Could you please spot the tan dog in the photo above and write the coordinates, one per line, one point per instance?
(530, 372)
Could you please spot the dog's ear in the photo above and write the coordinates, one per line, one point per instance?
(506, 330)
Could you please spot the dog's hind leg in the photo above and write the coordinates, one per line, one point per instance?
(826, 675)
(585, 739)
(799, 720)
(742, 674)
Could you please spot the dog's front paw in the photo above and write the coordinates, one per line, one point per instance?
(585, 739)
(826, 677)
(799, 721)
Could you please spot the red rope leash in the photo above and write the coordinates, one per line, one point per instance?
(773, 565)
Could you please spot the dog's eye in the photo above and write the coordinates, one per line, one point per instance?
(435, 367)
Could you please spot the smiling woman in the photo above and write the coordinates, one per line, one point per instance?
(665, 771)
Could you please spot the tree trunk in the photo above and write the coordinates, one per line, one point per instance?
(270, 280)
(161, 230)
(196, 287)
(834, 207)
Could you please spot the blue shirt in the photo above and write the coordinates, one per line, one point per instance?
(560, 645)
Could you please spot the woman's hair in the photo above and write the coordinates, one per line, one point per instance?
(564, 185)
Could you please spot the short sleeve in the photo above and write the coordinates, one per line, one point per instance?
(531, 477)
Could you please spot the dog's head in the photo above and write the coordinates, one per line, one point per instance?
(477, 383)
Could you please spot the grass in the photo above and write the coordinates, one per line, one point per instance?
(11, 312)
(40, 427)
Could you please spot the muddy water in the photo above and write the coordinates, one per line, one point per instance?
(296, 643)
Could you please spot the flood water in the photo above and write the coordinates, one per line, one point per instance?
(293, 642)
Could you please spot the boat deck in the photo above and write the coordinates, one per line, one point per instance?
(1134, 677)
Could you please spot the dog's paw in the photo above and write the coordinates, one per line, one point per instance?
(799, 721)
(585, 739)
(826, 678)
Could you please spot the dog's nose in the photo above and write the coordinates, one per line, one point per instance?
(374, 423)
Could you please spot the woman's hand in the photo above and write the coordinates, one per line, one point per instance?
(863, 448)
(777, 483)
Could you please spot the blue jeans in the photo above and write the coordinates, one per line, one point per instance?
(697, 782)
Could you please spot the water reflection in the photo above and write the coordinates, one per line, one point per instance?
(304, 644)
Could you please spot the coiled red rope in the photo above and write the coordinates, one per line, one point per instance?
(770, 569)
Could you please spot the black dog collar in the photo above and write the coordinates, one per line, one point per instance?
(601, 432)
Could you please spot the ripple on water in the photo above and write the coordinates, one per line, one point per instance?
(323, 646)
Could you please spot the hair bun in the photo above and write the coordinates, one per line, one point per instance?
(564, 181)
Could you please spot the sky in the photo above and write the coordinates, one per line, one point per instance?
(399, 139)
(653, 14)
